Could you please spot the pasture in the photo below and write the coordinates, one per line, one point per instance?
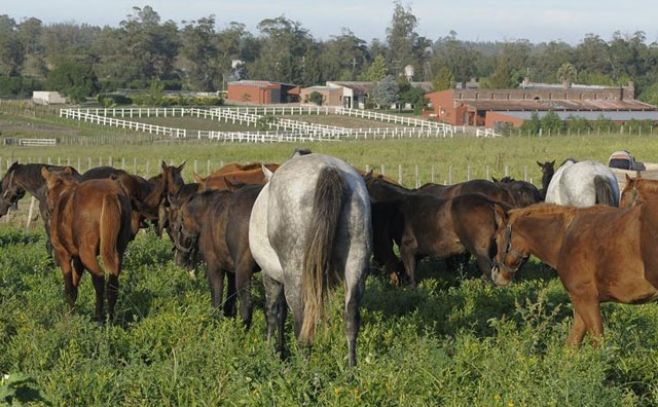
(452, 341)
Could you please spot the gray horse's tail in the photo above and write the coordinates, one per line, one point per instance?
(604, 192)
(319, 273)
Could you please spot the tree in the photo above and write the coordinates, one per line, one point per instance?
(316, 97)
(443, 79)
(73, 79)
(152, 46)
(401, 37)
(376, 71)
(12, 53)
(385, 92)
(567, 73)
(551, 123)
(199, 53)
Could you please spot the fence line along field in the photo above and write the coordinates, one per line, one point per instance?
(452, 341)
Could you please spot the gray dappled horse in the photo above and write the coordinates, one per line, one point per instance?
(582, 184)
(310, 228)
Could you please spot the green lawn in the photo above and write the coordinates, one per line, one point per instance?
(453, 341)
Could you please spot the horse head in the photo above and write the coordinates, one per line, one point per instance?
(57, 183)
(10, 191)
(510, 251)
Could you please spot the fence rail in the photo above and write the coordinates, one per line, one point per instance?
(392, 118)
(79, 114)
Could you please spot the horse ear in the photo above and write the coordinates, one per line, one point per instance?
(198, 178)
(494, 179)
(628, 179)
(44, 173)
(500, 215)
(68, 170)
(553, 163)
(163, 165)
(266, 171)
(180, 167)
(539, 164)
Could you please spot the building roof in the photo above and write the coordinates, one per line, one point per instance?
(357, 86)
(612, 115)
(559, 105)
(260, 84)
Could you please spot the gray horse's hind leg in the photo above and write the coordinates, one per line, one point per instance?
(352, 320)
(275, 312)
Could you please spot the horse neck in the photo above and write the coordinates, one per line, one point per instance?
(30, 180)
(545, 181)
(542, 235)
(381, 191)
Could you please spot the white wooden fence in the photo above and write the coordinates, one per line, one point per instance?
(392, 118)
(78, 114)
(484, 132)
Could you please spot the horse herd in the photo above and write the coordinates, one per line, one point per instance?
(315, 221)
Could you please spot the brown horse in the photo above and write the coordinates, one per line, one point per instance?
(637, 190)
(523, 192)
(475, 186)
(217, 222)
(441, 227)
(148, 197)
(89, 219)
(600, 253)
(21, 178)
(547, 172)
(251, 174)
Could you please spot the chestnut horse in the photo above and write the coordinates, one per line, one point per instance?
(441, 227)
(89, 218)
(147, 197)
(600, 253)
(251, 174)
(637, 190)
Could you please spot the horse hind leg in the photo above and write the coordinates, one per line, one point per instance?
(243, 273)
(229, 304)
(275, 312)
(88, 259)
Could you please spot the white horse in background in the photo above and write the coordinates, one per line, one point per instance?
(582, 184)
(310, 227)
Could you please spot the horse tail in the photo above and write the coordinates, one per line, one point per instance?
(318, 273)
(604, 192)
(111, 221)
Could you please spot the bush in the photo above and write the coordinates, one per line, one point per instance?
(316, 97)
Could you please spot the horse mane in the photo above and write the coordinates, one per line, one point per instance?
(30, 174)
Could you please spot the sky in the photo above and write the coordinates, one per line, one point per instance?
(481, 20)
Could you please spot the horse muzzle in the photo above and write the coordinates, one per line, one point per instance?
(501, 275)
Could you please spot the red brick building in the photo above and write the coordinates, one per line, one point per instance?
(262, 92)
(490, 107)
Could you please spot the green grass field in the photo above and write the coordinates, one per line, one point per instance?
(453, 341)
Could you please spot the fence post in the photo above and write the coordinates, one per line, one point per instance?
(432, 173)
(382, 169)
(506, 171)
(400, 174)
(525, 173)
(208, 167)
(468, 172)
(417, 177)
(450, 175)
(29, 214)
(487, 172)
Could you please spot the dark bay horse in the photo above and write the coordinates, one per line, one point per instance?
(524, 193)
(600, 253)
(547, 172)
(21, 178)
(441, 227)
(89, 218)
(217, 223)
(476, 186)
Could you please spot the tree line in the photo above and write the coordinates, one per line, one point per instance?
(83, 60)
